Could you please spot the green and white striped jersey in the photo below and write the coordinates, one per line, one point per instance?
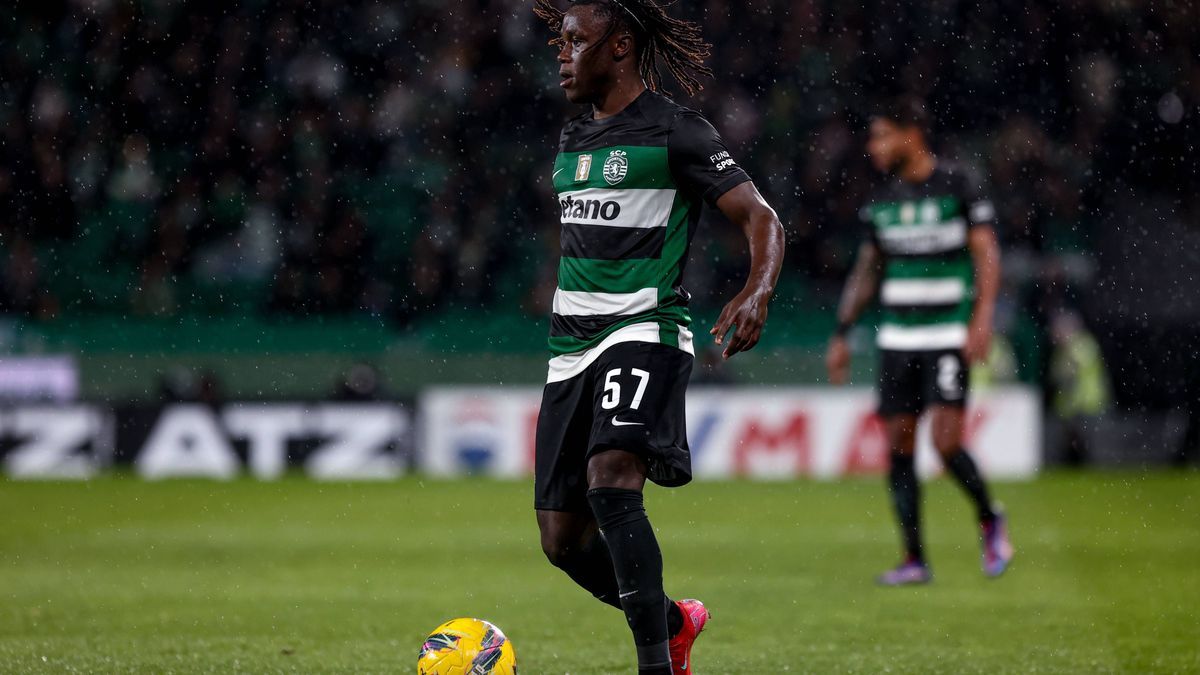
(630, 190)
(928, 287)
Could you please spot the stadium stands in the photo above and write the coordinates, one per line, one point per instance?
(298, 175)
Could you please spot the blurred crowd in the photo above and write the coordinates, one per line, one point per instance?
(284, 144)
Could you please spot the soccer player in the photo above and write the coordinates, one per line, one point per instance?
(931, 252)
(631, 176)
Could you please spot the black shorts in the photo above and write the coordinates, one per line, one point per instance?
(630, 398)
(910, 381)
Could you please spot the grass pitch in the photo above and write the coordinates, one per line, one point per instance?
(118, 575)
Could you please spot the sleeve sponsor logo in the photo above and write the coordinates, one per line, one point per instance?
(722, 160)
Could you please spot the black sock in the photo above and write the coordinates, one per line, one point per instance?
(662, 669)
(906, 497)
(590, 566)
(637, 562)
(960, 464)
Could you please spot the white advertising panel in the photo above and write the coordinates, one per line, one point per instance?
(761, 433)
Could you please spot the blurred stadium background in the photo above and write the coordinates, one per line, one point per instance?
(342, 208)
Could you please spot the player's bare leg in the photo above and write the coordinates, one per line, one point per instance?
(572, 543)
(947, 426)
(905, 489)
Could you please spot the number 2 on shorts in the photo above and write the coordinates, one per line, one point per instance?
(947, 376)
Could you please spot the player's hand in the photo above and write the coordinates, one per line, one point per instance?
(748, 312)
(979, 341)
(837, 360)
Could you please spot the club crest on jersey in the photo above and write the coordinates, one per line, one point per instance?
(615, 167)
(583, 168)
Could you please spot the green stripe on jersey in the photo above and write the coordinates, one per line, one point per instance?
(644, 168)
(608, 276)
(668, 332)
(957, 266)
(958, 314)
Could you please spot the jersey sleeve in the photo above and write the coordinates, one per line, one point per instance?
(866, 222)
(699, 160)
(976, 202)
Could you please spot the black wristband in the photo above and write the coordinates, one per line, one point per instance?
(842, 329)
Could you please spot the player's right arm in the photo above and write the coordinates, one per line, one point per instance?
(859, 291)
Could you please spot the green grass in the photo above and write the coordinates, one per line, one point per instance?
(118, 575)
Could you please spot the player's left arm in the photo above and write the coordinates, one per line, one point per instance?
(703, 166)
(747, 312)
(985, 257)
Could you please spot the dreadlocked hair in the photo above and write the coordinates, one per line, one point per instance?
(675, 43)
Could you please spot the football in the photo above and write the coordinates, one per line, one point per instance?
(467, 647)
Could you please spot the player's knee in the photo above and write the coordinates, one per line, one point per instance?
(616, 469)
(946, 447)
(556, 554)
(901, 432)
(946, 441)
(557, 548)
(903, 445)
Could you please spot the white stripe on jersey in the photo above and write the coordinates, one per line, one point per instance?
(922, 291)
(921, 338)
(582, 303)
(638, 208)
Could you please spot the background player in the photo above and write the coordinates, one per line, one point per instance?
(931, 252)
(631, 176)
